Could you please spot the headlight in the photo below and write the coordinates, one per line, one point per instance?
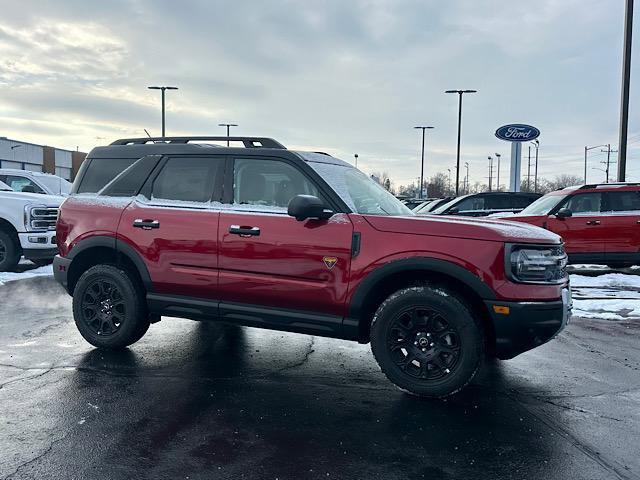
(536, 263)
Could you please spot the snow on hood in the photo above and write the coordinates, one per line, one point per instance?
(49, 200)
(464, 227)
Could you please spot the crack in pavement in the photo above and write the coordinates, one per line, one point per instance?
(35, 459)
(304, 360)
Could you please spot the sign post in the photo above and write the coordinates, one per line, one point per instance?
(516, 133)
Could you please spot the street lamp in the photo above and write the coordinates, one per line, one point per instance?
(466, 164)
(162, 89)
(536, 143)
(355, 155)
(422, 168)
(228, 125)
(13, 153)
(449, 188)
(460, 93)
(498, 175)
(490, 172)
(586, 149)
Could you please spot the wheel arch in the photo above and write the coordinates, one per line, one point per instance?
(104, 249)
(393, 276)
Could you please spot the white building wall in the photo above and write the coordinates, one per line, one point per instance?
(29, 155)
(63, 163)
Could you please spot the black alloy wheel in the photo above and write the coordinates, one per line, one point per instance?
(103, 307)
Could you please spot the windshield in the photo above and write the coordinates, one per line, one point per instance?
(5, 188)
(360, 192)
(56, 185)
(543, 205)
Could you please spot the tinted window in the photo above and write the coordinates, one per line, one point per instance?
(21, 184)
(522, 201)
(101, 171)
(471, 204)
(186, 179)
(623, 201)
(268, 182)
(584, 203)
(500, 202)
(129, 182)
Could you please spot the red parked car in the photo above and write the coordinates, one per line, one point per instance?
(299, 241)
(599, 223)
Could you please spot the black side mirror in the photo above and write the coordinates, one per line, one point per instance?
(303, 207)
(453, 210)
(563, 213)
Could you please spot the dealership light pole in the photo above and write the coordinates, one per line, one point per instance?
(586, 149)
(466, 164)
(460, 93)
(422, 167)
(536, 144)
(490, 172)
(228, 125)
(626, 84)
(355, 155)
(162, 89)
(498, 175)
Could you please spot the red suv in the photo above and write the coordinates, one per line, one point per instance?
(599, 223)
(267, 237)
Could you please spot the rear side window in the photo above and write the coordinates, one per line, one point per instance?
(129, 182)
(187, 179)
(21, 184)
(522, 201)
(100, 171)
(470, 204)
(623, 201)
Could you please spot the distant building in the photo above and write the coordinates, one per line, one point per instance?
(40, 158)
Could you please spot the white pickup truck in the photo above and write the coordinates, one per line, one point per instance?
(27, 227)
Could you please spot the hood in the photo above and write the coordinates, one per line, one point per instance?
(464, 227)
(48, 200)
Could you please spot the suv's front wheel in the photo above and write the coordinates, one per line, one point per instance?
(426, 341)
(109, 307)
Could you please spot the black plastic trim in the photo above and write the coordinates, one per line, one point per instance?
(39, 253)
(355, 244)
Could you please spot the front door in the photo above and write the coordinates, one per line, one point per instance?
(584, 232)
(174, 226)
(270, 259)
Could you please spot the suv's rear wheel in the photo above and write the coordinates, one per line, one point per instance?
(109, 307)
(9, 252)
(426, 341)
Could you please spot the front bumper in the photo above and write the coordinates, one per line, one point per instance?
(38, 240)
(60, 270)
(527, 324)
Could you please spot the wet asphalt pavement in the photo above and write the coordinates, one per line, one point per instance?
(194, 401)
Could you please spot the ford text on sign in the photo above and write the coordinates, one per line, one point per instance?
(517, 133)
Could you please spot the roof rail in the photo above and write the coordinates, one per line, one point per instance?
(249, 142)
(610, 184)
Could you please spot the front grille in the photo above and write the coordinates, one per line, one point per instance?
(44, 218)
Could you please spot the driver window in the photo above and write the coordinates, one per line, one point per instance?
(22, 184)
(271, 183)
(584, 203)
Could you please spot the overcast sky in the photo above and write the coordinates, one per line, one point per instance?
(337, 76)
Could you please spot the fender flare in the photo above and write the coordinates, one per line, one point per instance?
(119, 247)
(435, 265)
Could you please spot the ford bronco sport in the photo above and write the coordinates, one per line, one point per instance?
(267, 237)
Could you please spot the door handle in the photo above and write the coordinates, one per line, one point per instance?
(593, 222)
(146, 224)
(244, 231)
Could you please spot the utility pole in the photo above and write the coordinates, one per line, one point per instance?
(228, 125)
(529, 171)
(608, 162)
(586, 149)
(498, 175)
(460, 93)
(466, 164)
(490, 172)
(626, 83)
(422, 164)
(162, 89)
(536, 143)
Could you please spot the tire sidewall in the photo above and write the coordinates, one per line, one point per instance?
(456, 313)
(12, 256)
(132, 327)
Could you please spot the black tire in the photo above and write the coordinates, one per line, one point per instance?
(109, 307)
(9, 252)
(426, 341)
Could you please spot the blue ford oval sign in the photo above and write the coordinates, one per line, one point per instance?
(517, 132)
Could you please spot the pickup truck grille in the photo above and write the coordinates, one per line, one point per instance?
(44, 218)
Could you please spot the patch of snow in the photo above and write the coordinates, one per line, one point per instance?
(611, 309)
(47, 270)
(608, 280)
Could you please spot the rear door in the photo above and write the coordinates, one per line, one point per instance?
(173, 225)
(584, 232)
(621, 218)
(269, 259)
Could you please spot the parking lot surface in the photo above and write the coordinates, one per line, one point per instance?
(205, 400)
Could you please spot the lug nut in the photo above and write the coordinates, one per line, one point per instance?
(446, 370)
(424, 349)
(428, 334)
(432, 344)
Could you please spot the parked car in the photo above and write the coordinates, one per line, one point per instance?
(27, 227)
(429, 206)
(34, 182)
(304, 242)
(599, 222)
(412, 203)
(487, 203)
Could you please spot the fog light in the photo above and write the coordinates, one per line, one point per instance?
(37, 239)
